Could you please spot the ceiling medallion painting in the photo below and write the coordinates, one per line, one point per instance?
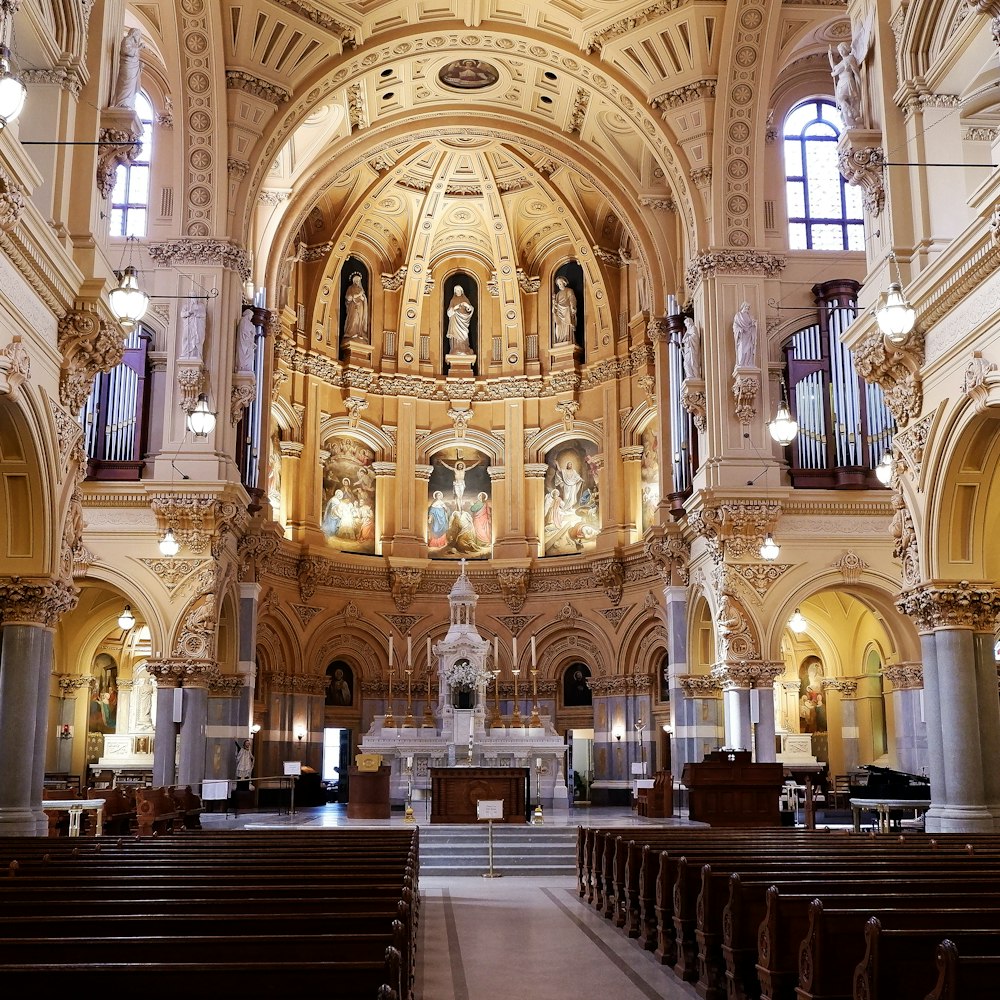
(468, 74)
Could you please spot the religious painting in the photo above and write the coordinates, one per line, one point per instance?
(812, 705)
(650, 477)
(355, 311)
(571, 512)
(103, 715)
(460, 505)
(576, 686)
(339, 684)
(468, 74)
(348, 519)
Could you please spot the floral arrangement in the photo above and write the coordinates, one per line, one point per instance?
(462, 674)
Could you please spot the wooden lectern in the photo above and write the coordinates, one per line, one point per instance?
(728, 789)
(369, 795)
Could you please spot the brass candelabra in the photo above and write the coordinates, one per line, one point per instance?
(535, 720)
(408, 721)
(515, 717)
(496, 719)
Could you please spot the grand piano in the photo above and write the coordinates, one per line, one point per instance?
(890, 794)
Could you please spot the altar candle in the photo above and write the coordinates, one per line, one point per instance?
(533, 651)
(428, 652)
(409, 651)
(514, 653)
(390, 650)
(496, 652)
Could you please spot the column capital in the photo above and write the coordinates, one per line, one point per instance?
(170, 672)
(904, 676)
(848, 687)
(939, 605)
(699, 685)
(73, 682)
(746, 674)
(40, 601)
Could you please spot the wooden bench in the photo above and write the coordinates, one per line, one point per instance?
(188, 805)
(119, 809)
(156, 812)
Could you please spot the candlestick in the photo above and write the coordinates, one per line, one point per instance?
(535, 721)
(408, 721)
(515, 716)
(388, 720)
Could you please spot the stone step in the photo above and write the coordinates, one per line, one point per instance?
(517, 850)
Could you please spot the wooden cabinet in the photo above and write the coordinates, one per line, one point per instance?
(369, 794)
(727, 789)
(456, 790)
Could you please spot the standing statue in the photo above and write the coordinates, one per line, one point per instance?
(563, 313)
(355, 310)
(691, 349)
(245, 336)
(460, 311)
(846, 72)
(193, 329)
(127, 81)
(745, 335)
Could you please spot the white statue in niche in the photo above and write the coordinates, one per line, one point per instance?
(563, 313)
(356, 310)
(745, 335)
(193, 317)
(245, 337)
(691, 349)
(460, 311)
(127, 81)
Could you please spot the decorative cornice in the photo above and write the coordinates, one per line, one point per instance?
(602, 687)
(747, 674)
(36, 601)
(282, 683)
(256, 87)
(663, 204)
(699, 685)
(340, 29)
(896, 368)
(204, 252)
(73, 682)
(68, 78)
(12, 201)
(861, 160)
(732, 261)
(699, 90)
(935, 606)
(598, 38)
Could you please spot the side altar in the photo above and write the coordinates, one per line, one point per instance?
(465, 732)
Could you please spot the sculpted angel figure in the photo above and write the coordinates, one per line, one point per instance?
(846, 72)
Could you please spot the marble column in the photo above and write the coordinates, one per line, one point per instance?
(964, 701)
(764, 734)
(534, 492)
(168, 675)
(989, 718)
(909, 730)
(193, 743)
(850, 740)
(736, 708)
(29, 611)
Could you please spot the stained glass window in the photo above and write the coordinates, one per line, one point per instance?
(824, 212)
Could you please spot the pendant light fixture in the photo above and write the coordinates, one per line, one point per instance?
(894, 315)
(126, 619)
(12, 90)
(201, 420)
(884, 469)
(797, 623)
(783, 427)
(169, 546)
(770, 550)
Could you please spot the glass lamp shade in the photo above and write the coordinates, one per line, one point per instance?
(169, 546)
(126, 619)
(128, 301)
(883, 471)
(783, 428)
(12, 91)
(201, 420)
(895, 316)
(770, 550)
(797, 623)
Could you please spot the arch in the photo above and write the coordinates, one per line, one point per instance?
(349, 637)
(125, 584)
(365, 432)
(962, 476)
(538, 446)
(27, 497)
(445, 438)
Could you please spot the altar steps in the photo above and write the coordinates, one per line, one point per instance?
(456, 850)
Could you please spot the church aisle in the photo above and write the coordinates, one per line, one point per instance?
(483, 938)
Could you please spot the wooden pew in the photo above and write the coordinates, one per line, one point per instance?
(903, 963)
(156, 811)
(188, 805)
(964, 977)
(119, 809)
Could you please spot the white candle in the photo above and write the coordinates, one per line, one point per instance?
(514, 648)
(390, 650)
(409, 651)
(496, 652)
(533, 651)
(428, 652)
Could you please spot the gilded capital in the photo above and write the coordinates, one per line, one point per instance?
(40, 601)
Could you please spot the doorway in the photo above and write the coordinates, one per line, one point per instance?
(336, 763)
(581, 763)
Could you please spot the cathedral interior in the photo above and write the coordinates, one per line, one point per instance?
(671, 327)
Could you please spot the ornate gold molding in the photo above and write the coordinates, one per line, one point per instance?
(40, 601)
(935, 606)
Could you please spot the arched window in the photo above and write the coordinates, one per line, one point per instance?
(130, 196)
(824, 211)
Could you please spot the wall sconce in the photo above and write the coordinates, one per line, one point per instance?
(126, 619)
(255, 728)
(617, 733)
(169, 546)
(65, 731)
(300, 734)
